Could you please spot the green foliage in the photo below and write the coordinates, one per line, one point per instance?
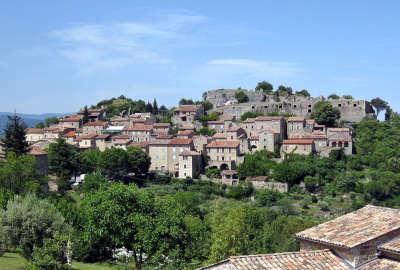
(284, 91)
(347, 97)
(63, 159)
(89, 160)
(303, 93)
(246, 115)
(333, 96)
(93, 182)
(265, 86)
(185, 101)
(379, 104)
(325, 114)
(52, 255)
(121, 105)
(267, 197)
(241, 191)
(241, 96)
(206, 131)
(256, 164)
(207, 105)
(14, 136)
(85, 117)
(213, 172)
(209, 117)
(27, 222)
(18, 174)
(47, 122)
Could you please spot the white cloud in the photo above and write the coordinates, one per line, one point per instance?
(254, 68)
(115, 45)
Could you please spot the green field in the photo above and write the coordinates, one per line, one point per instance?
(13, 261)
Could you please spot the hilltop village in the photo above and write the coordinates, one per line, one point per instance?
(180, 149)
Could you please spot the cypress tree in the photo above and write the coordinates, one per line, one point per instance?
(14, 136)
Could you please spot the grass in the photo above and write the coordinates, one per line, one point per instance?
(13, 261)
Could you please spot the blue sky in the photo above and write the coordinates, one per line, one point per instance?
(57, 57)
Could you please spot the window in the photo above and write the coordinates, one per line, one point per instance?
(346, 144)
(184, 166)
(339, 105)
(222, 158)
(355, 105)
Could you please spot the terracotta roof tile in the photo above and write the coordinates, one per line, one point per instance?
(34, 131)
(296, 119)
(298, 141)
(219, 135)
(188, 108)
(305, 260)
(381, 264)
(268, 118)
(161, 125)
(355, 228)
(95, 124)
(223, 144)
(391, 246)
(189, 153)
(180, 141)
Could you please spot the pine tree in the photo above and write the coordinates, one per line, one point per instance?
(14, 139)
(149, 107)
(155, 107)
(85, 118)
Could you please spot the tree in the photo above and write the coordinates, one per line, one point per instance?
(325, 114)
(85, 118)
(379, 104)
(114, 163)
(265, 86)
(63, 159)
(206, 131)
(155, 107)
(207, 105)
(15, 136)
(241, 96)
(185, 101)
(18, 174)
(125, 216)
(246, 115)
(149, 107)
(27, 222)
(303, 93)
(139, 161)
(347, 97)
(284, 91)
(256, 164)
(333, 96)
(89, 160)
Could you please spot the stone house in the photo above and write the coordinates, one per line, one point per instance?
(120, 121)
(219, 136)
(186, 134)
(94, 114)
(70, 137)
(238, 134)
(200, 142)
(103, 141)
(229, 177)
(120, 141)
(298, 146)
(52, 133)
(218, 125)
(224, 155)
(161, 128)
(139, 132)
(186, 114)
(265, 140)
(189, 164)
(340, 138)
(34, 135)
(296, 127)
(274, 124)
(356, 236)
(164, 154)
(86, 141)
(96, 127)
(2, 152)
(71, 121)
(42, 164)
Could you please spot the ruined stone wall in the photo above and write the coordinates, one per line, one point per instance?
(224, 102)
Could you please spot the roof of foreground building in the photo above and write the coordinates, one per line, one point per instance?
(355, 228)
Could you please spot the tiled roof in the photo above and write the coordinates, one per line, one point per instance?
(381, 264)
(34, 131)
(355, 228)
(338, 130)
(310, 121)
(229, 172)
(298, 141)
(70, 134)
(102, 136)
(219, 135)
(95, 124)
(249, 120)
(180, 141)
(223, 144)
(120, 137)
(36, 151)
(139, 128)
(306, 260)
(185, 132)
(72, 118)
(296, 119)
(391, 246)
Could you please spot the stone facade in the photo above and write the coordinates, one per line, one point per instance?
(224, 154)
(187, 114)
(298, 146)
(189, 164)
(224, 102)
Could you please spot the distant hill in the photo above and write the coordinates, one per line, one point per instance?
(30, 119)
